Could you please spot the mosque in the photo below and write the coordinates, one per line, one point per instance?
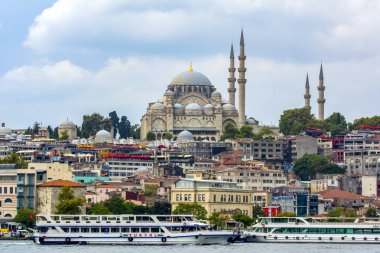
(192, 107)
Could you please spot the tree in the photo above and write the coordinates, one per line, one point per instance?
(168, 136)
(150, 190)
(294, 121)
(117, 205)
(98, 208)
(336, 123)
(371, 213)
(151, 136)
(124, 127)
(161, 207)
(14, 159)
(28, 131)
(135, 131)
(286, 214)
(56, 133)
(243, 218)
(26, 216)
(115, 122)
(310, 164)
(195, 209)
(265, 131)
(246, 131)
(68, 203)
(366, 121)
(64, 136)
(341, 212)
(257, 211)
(216, 219)
(51, 132)
(36, 128)
(229, 132)
(93, 123)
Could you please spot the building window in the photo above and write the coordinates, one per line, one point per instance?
(203, 197)
(177, 197)
(5, 190)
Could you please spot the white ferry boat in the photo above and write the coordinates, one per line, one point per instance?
(126, 229)
(314, 230)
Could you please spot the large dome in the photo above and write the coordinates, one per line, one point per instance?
(157, 106)
(5, 130)
(193, 106)
(67, 123)
(103, 134)
(191, 78)
(185, 135)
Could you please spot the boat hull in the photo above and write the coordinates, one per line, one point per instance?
(293, 238)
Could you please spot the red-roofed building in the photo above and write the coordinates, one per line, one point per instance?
(339, 198)
(47, 194)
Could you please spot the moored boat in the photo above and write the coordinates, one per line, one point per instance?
(314, 230)
(126, 229)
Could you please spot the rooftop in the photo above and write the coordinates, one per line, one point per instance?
(61, 183)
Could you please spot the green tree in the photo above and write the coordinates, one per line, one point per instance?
(195, 209)
(124, 127)
(64, 135)
(93, 123)
(14, 159)
(98, 208)
(28, 131)
(36, 128)
(26, 216)
(229, 132)
(115, 122)
(245, 219)
(310, 164)
(286, 214)
(51, 132)
(135, 132)
(257, 211)
(161, 207)
(371, 213)
(168, 136)
(294, 121)
(68, 203)
(150, 190)
(366, 121)
(342, 212)
(216, 219)
(55, 133)
(151, 136)
(336, 123)
(117, 205)
(246, 131)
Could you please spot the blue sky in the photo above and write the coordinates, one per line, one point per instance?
(67, 58)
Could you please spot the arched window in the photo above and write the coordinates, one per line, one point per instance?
(8, 215)
(8, 200)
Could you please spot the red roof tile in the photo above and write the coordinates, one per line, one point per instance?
(61, 183)
(334, 193)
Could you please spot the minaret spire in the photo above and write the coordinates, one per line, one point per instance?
(232, 79)
(241, 82)
(321, 96)
(307, 95)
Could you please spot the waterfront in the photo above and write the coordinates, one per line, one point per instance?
(30, 247)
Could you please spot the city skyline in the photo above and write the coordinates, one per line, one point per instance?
(69, 58)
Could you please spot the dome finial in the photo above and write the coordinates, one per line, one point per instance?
(191, 67)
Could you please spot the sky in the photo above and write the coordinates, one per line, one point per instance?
(67, 58)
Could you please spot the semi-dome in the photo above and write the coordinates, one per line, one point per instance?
(67, 123)
(228, 107)
(168, 93)
(157, 106)
(208, 106)
(185, 135)
(178, 106)
(191, 78)
(104, 134)
(216, 94)
(193, 106)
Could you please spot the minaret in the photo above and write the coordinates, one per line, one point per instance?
(232, 79)
(321, 96)
(307, 95)
(241, 82)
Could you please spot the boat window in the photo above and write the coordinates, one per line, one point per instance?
(367, 231)
(330, 230)
(190, 229)
(135, 230)
(154, 230)
(321, 231)
(176, 229)
(304, 230)
(66, 230)
(189, 218)
(294, 230)
(358, 231)
(94, 230)
(376, 231)
(125, 230)
(105, 230)
(115, 230)
(349, 230)
(161, 218)
(43, 229)
(340, 230)
(85, 230)
(144, 230)
(74, 230)
(313, 230)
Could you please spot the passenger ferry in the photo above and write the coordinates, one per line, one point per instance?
(126, 229)
(314, 230)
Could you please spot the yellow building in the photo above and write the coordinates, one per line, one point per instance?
(214, 196)
(54, 170)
